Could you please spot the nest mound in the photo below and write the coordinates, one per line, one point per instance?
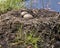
(45, 24)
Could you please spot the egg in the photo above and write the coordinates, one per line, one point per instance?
(27, 16)
(23, 13)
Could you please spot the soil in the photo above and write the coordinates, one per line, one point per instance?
(45, 24)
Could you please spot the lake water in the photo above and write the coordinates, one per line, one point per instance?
(52, 4)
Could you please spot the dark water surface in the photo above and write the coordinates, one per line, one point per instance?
(53, 4)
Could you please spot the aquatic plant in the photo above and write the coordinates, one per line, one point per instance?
(48, 4)
(31, 3)
(43, 4)
(6, 5)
